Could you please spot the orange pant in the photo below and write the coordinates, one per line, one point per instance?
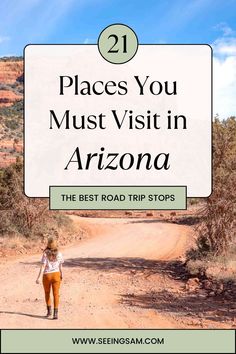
(52, 280)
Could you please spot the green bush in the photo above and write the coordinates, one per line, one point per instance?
(12, 124)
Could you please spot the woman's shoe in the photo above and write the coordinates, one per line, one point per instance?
(55, 314)
(49, 311)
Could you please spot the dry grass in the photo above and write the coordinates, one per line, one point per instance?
(17, 244)
(217, 268)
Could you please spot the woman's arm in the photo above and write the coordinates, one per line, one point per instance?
(60, 268)
(39, 278)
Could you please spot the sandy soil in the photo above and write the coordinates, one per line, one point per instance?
(126, 275)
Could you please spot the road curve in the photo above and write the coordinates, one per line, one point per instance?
(98, 273)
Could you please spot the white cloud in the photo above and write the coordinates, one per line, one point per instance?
(226, 30)
(224, 74)
(225, 46)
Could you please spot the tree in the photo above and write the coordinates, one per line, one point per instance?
(217, 230)
(19, 213)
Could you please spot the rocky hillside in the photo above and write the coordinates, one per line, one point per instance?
(11, 80)
(11, 109)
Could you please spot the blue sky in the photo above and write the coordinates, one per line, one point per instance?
(154, 21)
(76, 21)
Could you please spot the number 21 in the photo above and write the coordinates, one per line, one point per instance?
(112, 50)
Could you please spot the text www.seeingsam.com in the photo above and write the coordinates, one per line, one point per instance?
(113, 340)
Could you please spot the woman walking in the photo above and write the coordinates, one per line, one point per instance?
(51, 275)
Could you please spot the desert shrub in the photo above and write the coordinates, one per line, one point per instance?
(20, 214)
(11, 58)
(11, 120)
(193, 201)
(216, 232)
(13, 110)
(62, 220)
(4, 87)
(12, 124)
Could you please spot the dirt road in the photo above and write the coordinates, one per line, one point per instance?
(126, 275)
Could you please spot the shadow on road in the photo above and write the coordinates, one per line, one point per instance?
(22, 314)
(184, 220)
(183, 305)
(175, 269)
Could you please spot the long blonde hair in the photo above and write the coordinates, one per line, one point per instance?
(52, 249)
